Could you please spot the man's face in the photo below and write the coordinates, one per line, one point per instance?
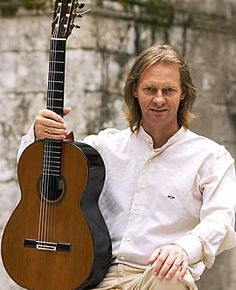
(159, 94)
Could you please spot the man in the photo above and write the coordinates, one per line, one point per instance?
(169, 196)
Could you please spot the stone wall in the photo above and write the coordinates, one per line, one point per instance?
(99, 56)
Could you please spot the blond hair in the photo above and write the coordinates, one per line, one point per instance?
(150, 56)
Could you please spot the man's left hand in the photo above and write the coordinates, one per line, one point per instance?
(169, 259)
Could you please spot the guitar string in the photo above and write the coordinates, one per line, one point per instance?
(52, 182)
(42, 191)
(58, 48)
(54, 185)
(44, 179)
(47, 213)
(45, 186)
(51, 178)
(49, 144)
(54, 148)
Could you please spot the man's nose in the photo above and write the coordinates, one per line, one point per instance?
(159, 98)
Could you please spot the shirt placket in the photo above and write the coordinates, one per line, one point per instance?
(136, 210)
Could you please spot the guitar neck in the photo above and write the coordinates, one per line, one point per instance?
(55, 102)
(56, 75)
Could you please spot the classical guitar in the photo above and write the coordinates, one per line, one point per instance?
(56, 238)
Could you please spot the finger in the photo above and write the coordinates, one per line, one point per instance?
(54, 136)
(183, 270)
(50, 115)
(52, 133)
(66, 111)
(175, 267)
(154, 256)
(160, 262)
(163, 265)
(50, 123)
(48, 119)
(49, 129)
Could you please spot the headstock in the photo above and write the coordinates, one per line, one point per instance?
(64, 14)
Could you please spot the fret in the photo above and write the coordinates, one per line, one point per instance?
(58, 39)
(52, 171)
(56, 82)
(52, 174)
(56, 61)
(53, 108)
(52, 168)
(52, 152)
(57, 91)
(57, 51)
(55, 99)
(56, 72)
(52, 164)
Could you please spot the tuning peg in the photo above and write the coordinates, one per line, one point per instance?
(81, 5)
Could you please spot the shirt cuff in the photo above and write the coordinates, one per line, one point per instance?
(192, 246)
(26, 141)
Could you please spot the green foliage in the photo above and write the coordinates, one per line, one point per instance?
(153, 3)
(161, 10)
(9, 8)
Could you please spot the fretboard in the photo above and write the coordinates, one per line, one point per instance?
(56, 75)
(55, 102)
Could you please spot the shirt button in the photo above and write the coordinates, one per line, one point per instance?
(135, 211)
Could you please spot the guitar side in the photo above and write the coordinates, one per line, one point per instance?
(97, 225)
(78, 255)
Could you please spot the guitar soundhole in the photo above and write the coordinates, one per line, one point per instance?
(52, 188)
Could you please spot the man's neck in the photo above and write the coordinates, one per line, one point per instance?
(160, 135)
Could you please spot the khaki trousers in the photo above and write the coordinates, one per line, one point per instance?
(123, 277)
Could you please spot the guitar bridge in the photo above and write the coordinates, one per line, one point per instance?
(47, 246)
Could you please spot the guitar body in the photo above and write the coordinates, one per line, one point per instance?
(76, 253)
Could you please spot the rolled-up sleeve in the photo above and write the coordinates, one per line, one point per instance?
(215, 232)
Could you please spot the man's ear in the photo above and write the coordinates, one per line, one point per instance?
(135, 92)
(183, 95)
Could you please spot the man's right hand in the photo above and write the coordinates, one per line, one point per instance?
(50, 125)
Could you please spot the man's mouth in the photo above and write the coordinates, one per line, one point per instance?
(158, 110)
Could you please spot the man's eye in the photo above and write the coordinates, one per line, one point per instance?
(168, 91)
(150, 90)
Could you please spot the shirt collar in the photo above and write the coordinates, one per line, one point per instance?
(173, 139)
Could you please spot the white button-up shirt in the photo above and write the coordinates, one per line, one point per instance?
(182, 193)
